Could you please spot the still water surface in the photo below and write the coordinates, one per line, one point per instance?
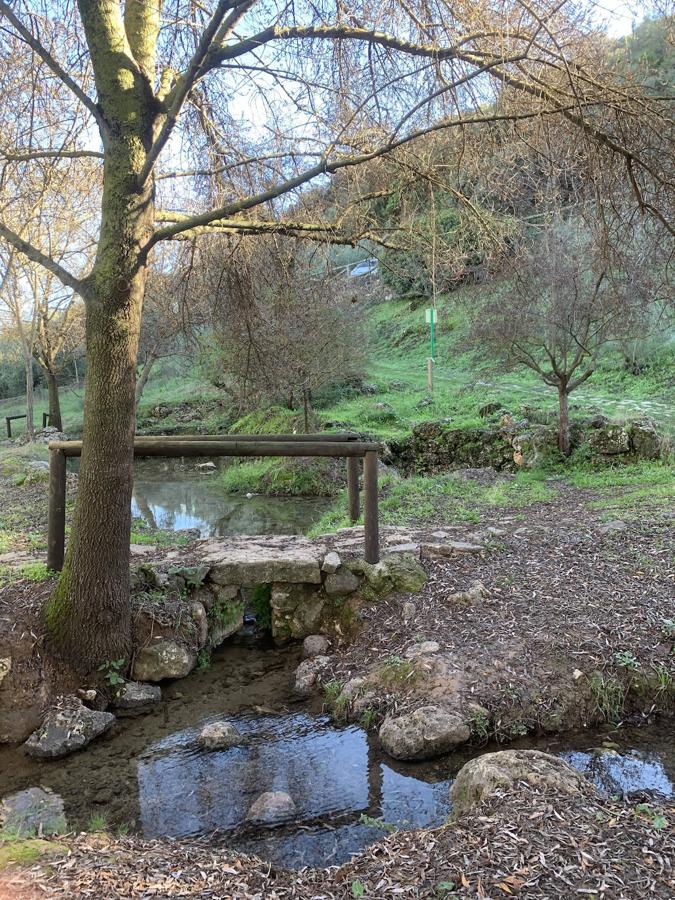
(148, 774)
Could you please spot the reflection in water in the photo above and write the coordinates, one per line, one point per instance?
(167, 497)
(333, 775)
(622, 773)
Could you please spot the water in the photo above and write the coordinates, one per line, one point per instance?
(149, 774)
(175, 496)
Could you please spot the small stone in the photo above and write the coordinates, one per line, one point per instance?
(408, 611)
(472, 596)
(5, 667)
(67, 728)
(307, 674)
(271, 808)
(450, 548)
(198, 616)
(614, 526)
(34, 811)
(410, 547)
(206, 467)
(89, 696)
(426, 648)
(141, 549)
(314, 645)
(135, 698)
(219, 736)
(577, 674)
(352, 687)
(341, 582)
(331, 563)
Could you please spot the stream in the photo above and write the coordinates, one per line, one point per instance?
(148, 774)
(175, 495)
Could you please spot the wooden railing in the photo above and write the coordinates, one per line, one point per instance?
(10, 419)
(344, 444)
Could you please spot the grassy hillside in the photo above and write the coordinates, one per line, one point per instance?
(398, 338)
(465, 379)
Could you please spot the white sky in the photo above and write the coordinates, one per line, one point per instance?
(618, 16)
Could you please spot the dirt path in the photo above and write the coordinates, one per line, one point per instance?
(572, 623)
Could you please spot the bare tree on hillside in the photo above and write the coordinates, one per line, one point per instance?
(211, 116)
(284, 324)
(558, 312)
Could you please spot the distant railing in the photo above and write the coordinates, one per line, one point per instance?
(344, 444)
(10, 419)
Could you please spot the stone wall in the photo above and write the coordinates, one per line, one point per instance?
(293, 586)
(514, 442)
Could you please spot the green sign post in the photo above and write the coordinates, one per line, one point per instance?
(431, 317)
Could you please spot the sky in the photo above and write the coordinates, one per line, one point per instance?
(618, 16)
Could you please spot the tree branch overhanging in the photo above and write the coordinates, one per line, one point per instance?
(36, 255)
(46, 57)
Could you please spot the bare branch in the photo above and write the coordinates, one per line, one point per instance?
(38, 256)
(21, 156)
(46, 57)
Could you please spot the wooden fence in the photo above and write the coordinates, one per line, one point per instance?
(339, 445)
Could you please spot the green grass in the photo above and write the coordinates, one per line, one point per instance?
(280, 477)
(18, 851)
(465, 379)
(423, 499)
(143, 534)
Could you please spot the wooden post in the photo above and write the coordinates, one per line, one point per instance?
(56, 529)
(8, 420)
(430, 375)
(372, 529)
(45, 416)
(353, 488)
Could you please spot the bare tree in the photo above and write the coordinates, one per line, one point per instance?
(210, 116)
(284, 324)
(558, 311)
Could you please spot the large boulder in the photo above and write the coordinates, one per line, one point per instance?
(610, 440)
(163, 659)
(33, 811)
(424, 733)
(482, 776)
(644, 439)
(271, 808)
(67, 727)
(306, 678)
(395, 572)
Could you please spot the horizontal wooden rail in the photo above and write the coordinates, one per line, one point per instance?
(10, 419)
(337, 436)
(231, 445)
(177, 448)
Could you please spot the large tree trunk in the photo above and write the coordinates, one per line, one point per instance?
(54, 402)
(89, 614)
(563, 420)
